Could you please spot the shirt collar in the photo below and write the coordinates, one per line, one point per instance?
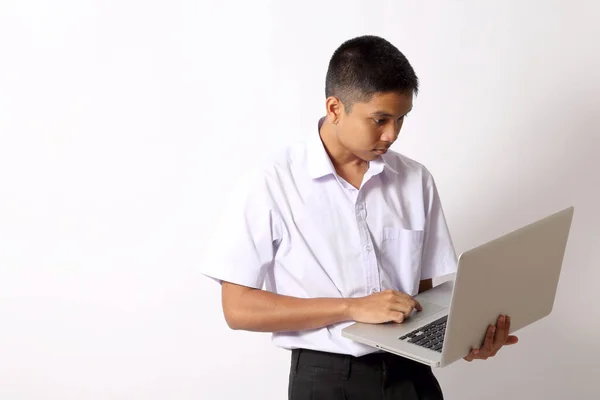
(319, 163)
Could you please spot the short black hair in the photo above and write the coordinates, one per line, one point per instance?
(366, 65)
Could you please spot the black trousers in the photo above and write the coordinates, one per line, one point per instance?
(317, 375)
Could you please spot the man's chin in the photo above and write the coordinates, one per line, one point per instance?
(369, 155)
(372, 156)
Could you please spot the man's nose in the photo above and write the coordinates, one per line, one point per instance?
(390, 135)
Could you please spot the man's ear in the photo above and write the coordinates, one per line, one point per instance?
(334, 108)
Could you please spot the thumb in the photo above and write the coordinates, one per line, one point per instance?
(399, 318)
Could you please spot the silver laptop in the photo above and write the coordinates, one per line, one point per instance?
(516, 275)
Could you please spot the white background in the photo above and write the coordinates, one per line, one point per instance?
(124, 123)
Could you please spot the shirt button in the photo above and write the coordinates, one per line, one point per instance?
(368, 248)
(374, 290)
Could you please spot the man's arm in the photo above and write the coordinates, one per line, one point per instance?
(261, 311)
(257, 310)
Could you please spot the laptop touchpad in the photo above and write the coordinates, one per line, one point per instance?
(429, 309)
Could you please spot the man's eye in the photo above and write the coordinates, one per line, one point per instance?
(380, 121)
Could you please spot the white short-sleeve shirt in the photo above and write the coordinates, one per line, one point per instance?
(301, 230)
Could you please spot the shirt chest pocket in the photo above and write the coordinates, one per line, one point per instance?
(401, 253)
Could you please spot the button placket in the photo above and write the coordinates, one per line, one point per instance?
(369, 257)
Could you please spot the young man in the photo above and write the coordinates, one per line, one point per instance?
(342, 229)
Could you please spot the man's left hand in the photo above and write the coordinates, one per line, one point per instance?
(495, 338)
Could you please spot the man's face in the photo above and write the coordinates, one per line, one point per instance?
(372, 127)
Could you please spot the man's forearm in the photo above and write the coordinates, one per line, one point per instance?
(262, 311)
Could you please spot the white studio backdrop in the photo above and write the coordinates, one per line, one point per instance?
(124, 124)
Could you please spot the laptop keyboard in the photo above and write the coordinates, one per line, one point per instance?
(430, 336)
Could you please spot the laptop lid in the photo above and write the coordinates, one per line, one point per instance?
(516, 275)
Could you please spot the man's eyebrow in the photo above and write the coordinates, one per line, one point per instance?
(382, 114)
(386, 114)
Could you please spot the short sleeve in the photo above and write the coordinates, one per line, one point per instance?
(439, 256)
(242, 248)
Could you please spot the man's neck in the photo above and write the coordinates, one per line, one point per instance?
(341, 158)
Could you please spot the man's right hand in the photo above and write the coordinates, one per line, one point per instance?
(386, 306)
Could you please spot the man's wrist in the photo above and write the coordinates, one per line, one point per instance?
(348, 307)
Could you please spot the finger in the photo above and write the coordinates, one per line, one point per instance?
(507, 329)
(418, 305)
(503, 333)
(472, 355)
(403, 297)
(488, 344)
(403, 303)
(500, 329)
(405, 308)
(393, 302)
